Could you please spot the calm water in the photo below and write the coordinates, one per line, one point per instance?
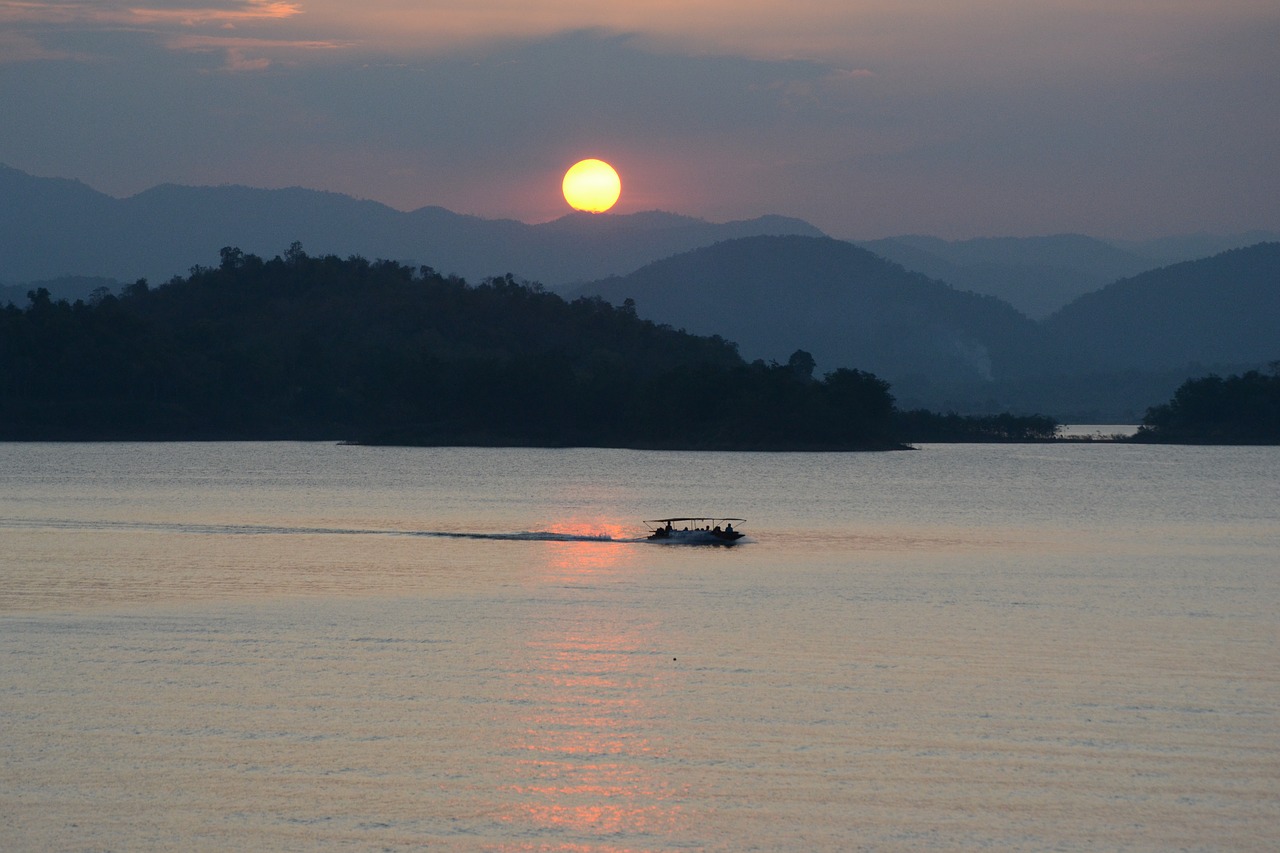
(308, 646)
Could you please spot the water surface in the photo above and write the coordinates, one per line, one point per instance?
(308, 646)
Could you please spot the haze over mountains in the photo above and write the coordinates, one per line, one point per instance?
(1106, 356)
(1036, 275)
(1119, 329)
(1223, 310)
(51, 228)
(1039, 275)
(841, 303)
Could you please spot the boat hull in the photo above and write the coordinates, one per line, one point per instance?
(695, 537)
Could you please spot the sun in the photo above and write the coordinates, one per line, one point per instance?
(591, 185)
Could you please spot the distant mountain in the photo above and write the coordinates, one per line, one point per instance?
(1122, 335)
(51, 227)
(844, 305)
(1039, 275)
(1112, 354)
(1036, 275)
(1189, 247)
(1103, 359)
(1218, 311)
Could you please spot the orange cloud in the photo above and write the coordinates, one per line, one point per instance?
(50, 13)
(984, 37)
(716, 25)
(246, 11)
(121, 13)
(174, 26)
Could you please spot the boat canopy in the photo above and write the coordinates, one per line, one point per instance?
(691, 518)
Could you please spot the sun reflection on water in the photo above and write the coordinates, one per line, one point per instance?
(586, 749)
(584, 560)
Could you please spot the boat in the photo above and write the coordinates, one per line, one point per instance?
(694, 531)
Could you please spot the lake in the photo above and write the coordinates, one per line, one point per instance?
(297, 646)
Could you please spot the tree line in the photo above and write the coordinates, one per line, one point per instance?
(302, 347)
(1242, 409)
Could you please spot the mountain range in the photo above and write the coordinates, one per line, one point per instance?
(1075, 326)
(1106, 356)
(841, 303)
(1036, 275)
(51, 227)
(1219, 310)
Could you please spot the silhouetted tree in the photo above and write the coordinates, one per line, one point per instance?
(1212, 410)
(325, 347)
(802, 364)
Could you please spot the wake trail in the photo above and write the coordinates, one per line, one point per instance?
(525, 536)
(290, 530)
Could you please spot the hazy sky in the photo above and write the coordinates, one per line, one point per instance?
(1122, 118)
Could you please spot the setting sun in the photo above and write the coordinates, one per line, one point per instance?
(591, 185)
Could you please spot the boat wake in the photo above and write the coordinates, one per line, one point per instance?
(289, 530)
(526, 536)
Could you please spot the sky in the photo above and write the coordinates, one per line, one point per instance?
(868, 118)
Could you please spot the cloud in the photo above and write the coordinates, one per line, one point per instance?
(847, 74)
(867, 118)
(247, 11)
(18, 47)
(244, 53)
(179, 26)
(124, 13)
(238, 61)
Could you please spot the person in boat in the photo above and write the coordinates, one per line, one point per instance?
(728, 527)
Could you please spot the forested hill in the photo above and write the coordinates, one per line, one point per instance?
(842, 303)
(1108, 355)
(1219, 310)
(327, 348)
(1036, 275)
